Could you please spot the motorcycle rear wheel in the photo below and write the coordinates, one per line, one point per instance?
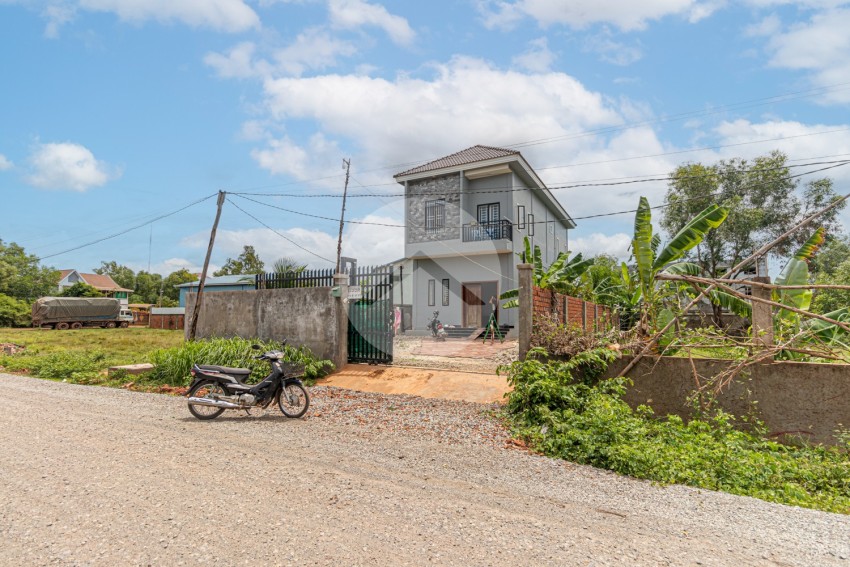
(293, 400)
(203, 390)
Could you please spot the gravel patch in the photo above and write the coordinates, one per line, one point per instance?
(404, 354)
(96, 476)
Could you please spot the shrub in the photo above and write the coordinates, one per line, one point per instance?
(63, 365)
(13, 312)
(174, 364)
(574, 418)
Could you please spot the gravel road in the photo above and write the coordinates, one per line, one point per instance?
(94, 476)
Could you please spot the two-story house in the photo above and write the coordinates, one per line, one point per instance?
(466, 216)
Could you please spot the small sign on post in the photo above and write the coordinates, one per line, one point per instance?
(355, 292)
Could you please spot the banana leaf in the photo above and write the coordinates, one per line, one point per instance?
(831, 333)
(736, 305)
(691, 235)
(642, 243)
(683, 269)
(796, 272)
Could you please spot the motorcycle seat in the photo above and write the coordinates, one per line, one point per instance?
(240, 373)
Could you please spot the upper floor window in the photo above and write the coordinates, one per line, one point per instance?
(435, 215)
(488, 213)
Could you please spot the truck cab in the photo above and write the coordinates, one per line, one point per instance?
(126, 315)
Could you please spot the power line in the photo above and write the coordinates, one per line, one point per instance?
(840, 164)
(111, 236)
(509, 189)
(279, 234)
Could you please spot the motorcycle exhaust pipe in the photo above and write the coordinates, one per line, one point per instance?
(214, 403)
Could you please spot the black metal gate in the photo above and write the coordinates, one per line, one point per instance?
(370, 318)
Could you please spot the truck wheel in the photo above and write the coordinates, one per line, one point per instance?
(110, 325)
(76, 325)
(124, 324)
(61, 326)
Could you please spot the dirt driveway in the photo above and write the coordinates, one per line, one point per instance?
(93, 476)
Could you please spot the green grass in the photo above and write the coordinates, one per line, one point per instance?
(83, 356)
(560, 410)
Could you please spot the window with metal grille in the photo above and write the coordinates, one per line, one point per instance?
(520, 217)
(432, 293)
(530, 224)
(435, 215)
(445, 292)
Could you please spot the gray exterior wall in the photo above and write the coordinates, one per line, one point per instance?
(459, 270)
(304, 316)
(420, 192)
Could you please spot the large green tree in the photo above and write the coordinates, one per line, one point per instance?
(21, 275)
(763, 202)
(122, 275)
(174, 279)
(246, 263)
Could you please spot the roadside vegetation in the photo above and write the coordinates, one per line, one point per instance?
(563, 410)
(83, 357)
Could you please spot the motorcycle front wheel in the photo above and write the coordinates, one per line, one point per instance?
(293, 400)
(206, 389)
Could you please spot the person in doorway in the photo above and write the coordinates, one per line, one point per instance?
(396, 319)
(492, 325)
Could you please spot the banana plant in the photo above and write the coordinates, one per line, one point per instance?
(560, 276)
(651, 261)
(796, 272)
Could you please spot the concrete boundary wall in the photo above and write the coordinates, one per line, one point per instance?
(792, 398)
(304, 316)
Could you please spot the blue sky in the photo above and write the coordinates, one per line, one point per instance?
(115, 112)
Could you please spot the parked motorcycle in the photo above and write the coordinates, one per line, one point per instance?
(218, 388)
(436, 328)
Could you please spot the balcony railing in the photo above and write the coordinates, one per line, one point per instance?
(497, 230)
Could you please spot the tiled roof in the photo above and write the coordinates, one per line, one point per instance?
(463, 157)
(102, 282)
(64, 273)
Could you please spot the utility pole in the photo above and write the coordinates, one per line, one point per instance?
(194, 323)
(346, 163)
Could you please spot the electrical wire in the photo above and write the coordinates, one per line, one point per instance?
(281, 235)
(117, 234)
(510, 189)
(599, 215)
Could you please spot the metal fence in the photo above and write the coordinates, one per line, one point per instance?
(304, 278)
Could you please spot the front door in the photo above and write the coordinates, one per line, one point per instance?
(472, 305)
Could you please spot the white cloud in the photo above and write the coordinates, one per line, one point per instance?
(222, 15)
(819, 46)
(369, 244)
(538, 58)
(769, 26)
(312, 49)
(283, 157)
(612, 51)
(238, 63)
(68, 166)
(616, 245)
(582, 13)
(57, 15)
(351, 14)
(5, 163)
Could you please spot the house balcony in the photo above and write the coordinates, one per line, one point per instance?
(498, 230)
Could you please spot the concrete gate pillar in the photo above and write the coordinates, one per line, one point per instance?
(340, 358)
(526, 308)
(762, 315)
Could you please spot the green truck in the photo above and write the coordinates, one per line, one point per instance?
(62, 313)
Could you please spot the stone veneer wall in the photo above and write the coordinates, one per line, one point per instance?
(418, 192)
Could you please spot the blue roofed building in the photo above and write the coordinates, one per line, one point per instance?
(220, 283)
